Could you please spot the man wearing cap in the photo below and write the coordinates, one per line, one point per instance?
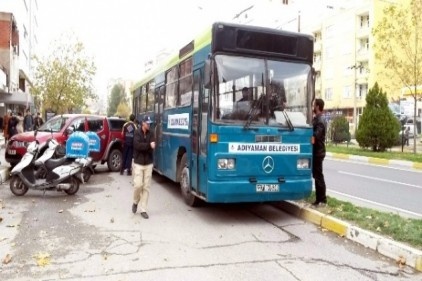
(143, 147)
(128, 132)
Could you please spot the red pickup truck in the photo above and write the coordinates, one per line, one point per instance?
(109, 130)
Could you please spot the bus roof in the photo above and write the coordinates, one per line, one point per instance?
(198, 43)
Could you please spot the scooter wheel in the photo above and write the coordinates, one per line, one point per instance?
(17, 186)
(75, 186)
(87, 174)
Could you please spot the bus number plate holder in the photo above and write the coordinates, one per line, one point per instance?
(267, 187)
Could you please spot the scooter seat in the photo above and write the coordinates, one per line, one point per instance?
(50, 164)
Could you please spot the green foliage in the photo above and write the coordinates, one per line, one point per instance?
(123, 110)
(116, 97)
(378, 127)
(398, 46)
(340, 130)
(63, 80)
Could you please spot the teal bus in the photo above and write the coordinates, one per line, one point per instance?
(220, 145)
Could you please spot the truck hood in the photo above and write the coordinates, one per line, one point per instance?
(41, 136)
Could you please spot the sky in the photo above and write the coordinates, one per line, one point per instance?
(120, 35)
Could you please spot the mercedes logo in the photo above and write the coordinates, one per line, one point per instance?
(268, 164)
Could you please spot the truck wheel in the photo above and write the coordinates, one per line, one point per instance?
(17, 186)
(185, 187)
(114, 161)
(74, 186)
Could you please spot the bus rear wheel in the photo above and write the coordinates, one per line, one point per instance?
(188, 196)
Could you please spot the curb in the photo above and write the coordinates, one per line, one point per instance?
(4, 174)
(380, 244)
(376, 161)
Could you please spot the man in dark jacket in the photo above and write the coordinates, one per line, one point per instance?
(143, 147)
(319, 153)
(128, 132)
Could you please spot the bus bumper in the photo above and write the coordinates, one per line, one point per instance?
(245, 191)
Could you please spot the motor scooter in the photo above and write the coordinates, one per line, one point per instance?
(54, 150)
(61, 176)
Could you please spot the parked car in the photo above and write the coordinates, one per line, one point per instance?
(108, 129)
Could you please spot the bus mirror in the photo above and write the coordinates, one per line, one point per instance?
(207, 75)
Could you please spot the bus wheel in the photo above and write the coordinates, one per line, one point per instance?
(185, 187)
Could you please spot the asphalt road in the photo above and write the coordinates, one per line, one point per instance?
(390, 189)
(94, 236)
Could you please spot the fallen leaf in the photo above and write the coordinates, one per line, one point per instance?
(7, 259)
(43, 259)
(10, 225)
(401, 261)
(1, 219)
(60, 211)
(112, 220)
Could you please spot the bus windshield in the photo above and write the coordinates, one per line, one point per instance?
(262, 92)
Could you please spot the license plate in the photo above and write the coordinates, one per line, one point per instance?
(11, 151)
(267, 187)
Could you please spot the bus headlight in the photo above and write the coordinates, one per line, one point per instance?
(226, 164)
(303, 163)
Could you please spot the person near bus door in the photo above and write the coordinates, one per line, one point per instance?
(128, 132)
(143, 147)
(319, 126)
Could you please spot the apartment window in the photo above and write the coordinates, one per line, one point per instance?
(361, 91)
(347, 92)
(364, 44)
(328, 94)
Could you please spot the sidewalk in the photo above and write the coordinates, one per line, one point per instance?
(384, 246)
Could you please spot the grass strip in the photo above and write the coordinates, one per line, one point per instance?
(393, 226)
(354, 150)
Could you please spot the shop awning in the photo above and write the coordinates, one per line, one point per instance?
(18, 98)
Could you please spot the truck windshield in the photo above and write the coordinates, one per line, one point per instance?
(54, 124)
(264, 92)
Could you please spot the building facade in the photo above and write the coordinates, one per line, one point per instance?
(18, 40)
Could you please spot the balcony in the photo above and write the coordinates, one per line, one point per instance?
(362, 55)
(317, 46)
(362, 78)
(317, 65)
(363, 32)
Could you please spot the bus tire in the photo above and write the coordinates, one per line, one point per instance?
(185, 187)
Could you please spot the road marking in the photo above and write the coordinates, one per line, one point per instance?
(404, 169)
(398, 210)
(380, 179)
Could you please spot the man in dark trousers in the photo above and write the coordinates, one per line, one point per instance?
(319, 153)
(143, 147)
(128, 132)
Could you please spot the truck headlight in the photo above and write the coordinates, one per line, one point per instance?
(226, 164)
(303, 163)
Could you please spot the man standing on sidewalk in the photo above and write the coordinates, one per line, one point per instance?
(319, 153)
(143, 147)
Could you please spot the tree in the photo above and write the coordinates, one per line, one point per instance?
(398, 46)
(117, 96)
(378, 127)
(123, 110)
(63, 80)
(340, 130)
